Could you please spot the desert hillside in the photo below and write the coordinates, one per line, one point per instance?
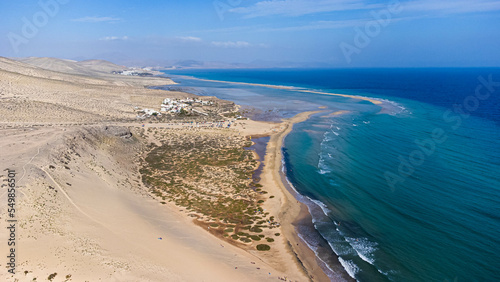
(87, 205)
(32, 94)
(88, 67)
(89, 72)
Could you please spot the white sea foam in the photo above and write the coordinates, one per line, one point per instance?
(323, 168)
(328, 136)
(315, 250)
(291, 186)
(320, 204)
(398, 108)
(283, 164)
(351, 268)
(364, 248)
(341, 250)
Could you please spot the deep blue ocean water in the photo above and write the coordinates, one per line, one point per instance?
(409, 193)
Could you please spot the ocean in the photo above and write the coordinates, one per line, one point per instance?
(409, 192)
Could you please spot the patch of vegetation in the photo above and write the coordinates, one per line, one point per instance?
(52, 276)
(256, 229)
(263, 247)
(210, 176)
(255, 238)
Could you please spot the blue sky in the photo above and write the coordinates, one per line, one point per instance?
(337, 33)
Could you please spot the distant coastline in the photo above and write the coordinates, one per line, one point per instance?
(293, 88)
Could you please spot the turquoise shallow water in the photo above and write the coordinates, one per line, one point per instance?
(412, 194)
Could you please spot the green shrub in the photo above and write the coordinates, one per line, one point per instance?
(263, 247)
(255, 238)
(52, 276)
(270, 240)
(256, 229)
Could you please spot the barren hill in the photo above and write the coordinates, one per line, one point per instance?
(35, 95)
(89, 72)
(89, 67)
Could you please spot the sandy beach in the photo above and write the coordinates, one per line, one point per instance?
(289, 209)
(83, 212)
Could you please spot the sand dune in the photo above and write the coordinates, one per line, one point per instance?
(88, 67)
(91, 219)
(83, 212)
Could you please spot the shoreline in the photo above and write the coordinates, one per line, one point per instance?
(289, 209)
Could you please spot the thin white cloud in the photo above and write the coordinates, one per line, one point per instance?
(113, 38)
(96, 19)
(190, 38)
(318, 25)
(306, 7)
(231, 44)
(452, 6)
(301, 7)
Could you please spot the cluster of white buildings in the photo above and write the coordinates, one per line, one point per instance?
(135, 72)
(176, 106)
(148, 113)
(173, 106)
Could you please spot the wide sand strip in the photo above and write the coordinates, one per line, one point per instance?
(288, 208)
